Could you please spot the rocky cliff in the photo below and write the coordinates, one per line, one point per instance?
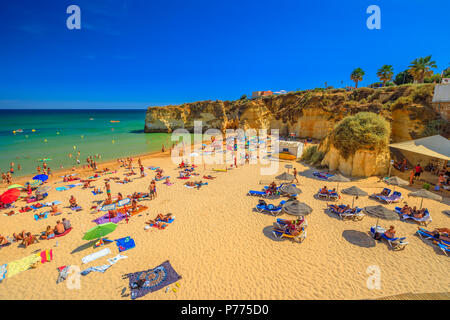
(310, 113)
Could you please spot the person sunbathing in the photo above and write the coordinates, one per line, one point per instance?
(406, 209)
(86, 184)
(134, 205)
(324, 190)
(20, 236)
(164, 218)
(126, 180)
(190, 184)
(333, 191)
(158, 176)
(3, 241)
(442, 234)
(48, 232)
(119, 196)
(29, 239)
(390, 233)
(343, 209)
(112, 213)
(54, 208)
(419, 214)
(59, 228)
(385, 193)
(73, 202)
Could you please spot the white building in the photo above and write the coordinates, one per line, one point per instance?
(294, 148)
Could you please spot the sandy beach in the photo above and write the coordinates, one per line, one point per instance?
(223, 249)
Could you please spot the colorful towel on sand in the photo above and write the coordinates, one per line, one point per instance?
(104, 219)
(125, 244)
(96, 255)
(46, 256)
(101, 269)
(23, 264)
(3, 270)
(116, 258)
(151, 280)
(63, 273)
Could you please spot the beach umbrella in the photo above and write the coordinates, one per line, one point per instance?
(100, 231)
(381, 212)
(34, 183)
(285, 176)
(123, 202)
(446, 212)
(296, 208)
(16, 186)
(422, 193)
(41, 177)
(108, 207)
(10, 196)
(355, 192)
(288, 166)
(396, 181)
(338, 178)
(43, 189)
(289, 189)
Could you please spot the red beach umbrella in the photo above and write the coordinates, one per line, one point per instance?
(10, 196)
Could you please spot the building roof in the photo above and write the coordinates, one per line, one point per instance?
(441, 93)
(433, 146)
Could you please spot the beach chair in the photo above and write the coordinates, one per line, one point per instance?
(262, 206)
(329, 196)
(394, 197)
(357, 215)
(280, 233)
(257, 193)
(378, 195)
(394, 243)
(322, 175)
(424, 221)
(283, 223)
(444, 248)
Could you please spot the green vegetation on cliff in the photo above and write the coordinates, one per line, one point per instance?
(365, 130)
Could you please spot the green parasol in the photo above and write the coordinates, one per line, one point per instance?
(100, 231)
(16, 186)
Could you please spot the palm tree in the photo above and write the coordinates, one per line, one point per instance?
(385, 73)
(421, 68)
(357, 76)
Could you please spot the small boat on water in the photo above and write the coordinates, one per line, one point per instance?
(18, 131)
(114, 121)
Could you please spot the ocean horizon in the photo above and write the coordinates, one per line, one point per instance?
(29, 135)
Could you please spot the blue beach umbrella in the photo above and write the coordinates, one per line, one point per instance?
(41, 177)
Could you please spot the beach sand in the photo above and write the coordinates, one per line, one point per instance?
(224, 250)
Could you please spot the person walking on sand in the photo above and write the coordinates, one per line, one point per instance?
(295, 175)
(411, 177)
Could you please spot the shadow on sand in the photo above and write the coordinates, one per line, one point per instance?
(359, 238)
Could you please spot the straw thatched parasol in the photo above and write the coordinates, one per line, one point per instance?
(296, 208)
(285, 176)
(290, 189)
(355, 192)
(422, 193)
(381, 212)
(396, 181)
(338, 178)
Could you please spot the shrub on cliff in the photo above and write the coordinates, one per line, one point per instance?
(312, 155)
(365, 130)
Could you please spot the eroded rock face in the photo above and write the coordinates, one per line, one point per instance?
(364, 163)
(310, 114)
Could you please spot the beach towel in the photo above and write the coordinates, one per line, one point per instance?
(162, 178)
(101, 269)
(63, 273)
(95, 255)
(96, 193)
(61, 188)
(3, 270)
(41, 216)
(116, 258)
(23, 264)
(125, 244)
(46, 256)
(64, 233)
(76, 208)
(151, 280)
(104, 219)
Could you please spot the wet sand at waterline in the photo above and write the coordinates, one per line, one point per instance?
(223, 249)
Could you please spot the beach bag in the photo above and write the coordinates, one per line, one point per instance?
(436, 188)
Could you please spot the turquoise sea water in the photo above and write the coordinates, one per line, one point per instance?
(60, 132)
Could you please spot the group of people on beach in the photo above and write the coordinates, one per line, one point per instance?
(413, 211)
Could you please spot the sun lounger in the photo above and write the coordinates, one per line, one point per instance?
(280, 233)
(283, 223)
(377, 195)
(395, 243)
(355, 215)
(422, 221)
(394, 197)
(330, 195)
(262, 206)
(257, 193)
(322, 175)
(444, 248)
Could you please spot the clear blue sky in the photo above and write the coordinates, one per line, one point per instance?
(140, 53)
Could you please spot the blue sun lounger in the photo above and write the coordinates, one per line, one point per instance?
(394, 197)
(444, 248)
(394, 243)
(257, 193)
(262, 206)
(377, 195)
(357, 215)
(425, 220)
(322, 175)
(330, 195)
